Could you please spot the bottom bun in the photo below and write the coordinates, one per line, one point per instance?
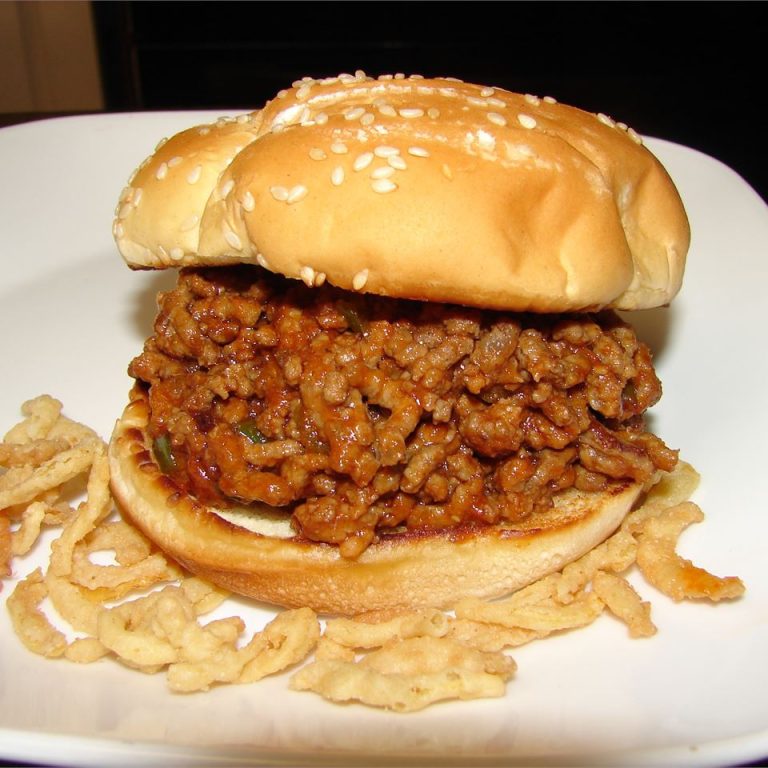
(256, 554)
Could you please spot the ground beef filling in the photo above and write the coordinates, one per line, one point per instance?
(359, 415)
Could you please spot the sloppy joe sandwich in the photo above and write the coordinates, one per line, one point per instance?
(392, 372)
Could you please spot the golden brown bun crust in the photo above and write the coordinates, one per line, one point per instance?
(494, 199)
(403, 570)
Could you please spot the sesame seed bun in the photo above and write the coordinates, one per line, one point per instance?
(256, 554)
(417, 188)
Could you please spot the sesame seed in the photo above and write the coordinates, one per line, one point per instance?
(321, 118)
(282, 94)
(411, 112)
(189, 223)
(448, 92)
(498, 103)
(317, 154)
(388, 110)
(383, 172)
(307, 275)
(248, 202)
(339, 148)
(161, 143)
(204, 131)
(605, 120)
(119, 230)
(397, 162)
(297, 193)
(353, 113)
(487, 92)
(362, 161)
(634, 136)
(319, 278)
(447, 172)
(337, 176)
(418, 151)
(526, 121)
(175, 160)
(194, 175)
(433, 113)
(496, 118)
(623, 126)
(550, 99)
(475, 102)
(367, 118)
(303, 116)
(279, 193)
(360, 279)
(261, 261)
(232, 239)
(177, 254)
(298, 113)
(383, 185)
(136, 196)
(303, 92)
(229, 185)
(162, 171)
(531, 99)
(384, 150)
(124, 211)
(486, 140)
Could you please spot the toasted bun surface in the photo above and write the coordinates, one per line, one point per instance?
(402, 570)
(417, 188)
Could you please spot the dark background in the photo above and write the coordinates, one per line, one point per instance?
(690, 72)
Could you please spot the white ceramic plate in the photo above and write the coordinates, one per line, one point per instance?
(71, 317)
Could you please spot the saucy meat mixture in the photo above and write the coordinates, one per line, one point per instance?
(360, 414)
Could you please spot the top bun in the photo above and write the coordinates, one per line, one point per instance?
(417, 188)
